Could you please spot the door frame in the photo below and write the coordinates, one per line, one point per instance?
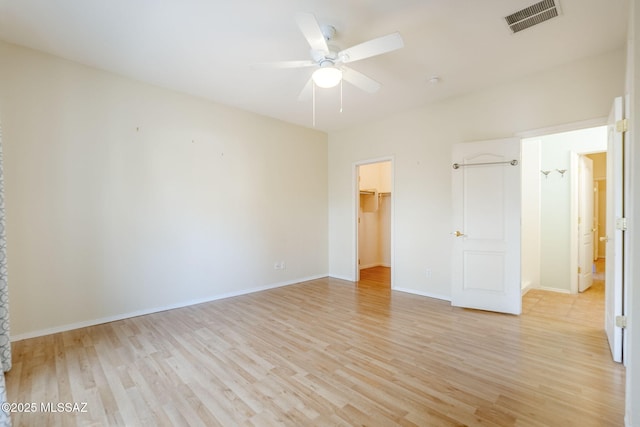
(573, 176)
(604, 121)
(356, 212)
(596, 215)
(574, 160)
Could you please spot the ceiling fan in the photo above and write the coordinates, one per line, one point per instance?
(329, 60)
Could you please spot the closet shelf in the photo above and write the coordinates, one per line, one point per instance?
(373, 193)
(370, 199)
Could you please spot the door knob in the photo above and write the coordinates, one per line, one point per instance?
(458, 234)
(604, 239)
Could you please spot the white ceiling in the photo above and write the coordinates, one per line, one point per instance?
(206, 47)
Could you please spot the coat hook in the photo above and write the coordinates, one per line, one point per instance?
(545, 173)
(561, 171)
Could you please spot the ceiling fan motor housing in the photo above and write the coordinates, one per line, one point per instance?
(320, 56)
(328, 31)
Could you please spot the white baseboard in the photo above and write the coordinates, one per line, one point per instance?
(348, 279)
(93, 322)
(423, 294)
(379, 264)
(527, 287)
(362, 267)
(560, 291)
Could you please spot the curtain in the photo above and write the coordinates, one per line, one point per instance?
(5, 344)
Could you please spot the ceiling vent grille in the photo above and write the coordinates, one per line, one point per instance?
(532, 15)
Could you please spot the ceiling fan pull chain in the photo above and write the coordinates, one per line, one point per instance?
(341, 95)
(313, 101)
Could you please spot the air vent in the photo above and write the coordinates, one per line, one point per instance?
(532, 15)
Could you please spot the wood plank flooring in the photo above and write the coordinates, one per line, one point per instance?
(324, 352)
(585, 308)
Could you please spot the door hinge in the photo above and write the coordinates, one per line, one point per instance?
(622, 125)
(621, 321)
(621, 224)
(579, 270)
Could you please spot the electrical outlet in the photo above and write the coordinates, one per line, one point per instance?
(283, 266)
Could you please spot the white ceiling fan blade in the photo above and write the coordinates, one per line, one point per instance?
(305, 93)
(359, 80)
(372, 47)
(284, 64)
(310, 28)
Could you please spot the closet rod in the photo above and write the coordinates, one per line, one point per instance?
(513, 162)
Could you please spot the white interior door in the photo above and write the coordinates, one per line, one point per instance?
(614, 238)
(596, 219)
(585, 223)
(486, 221)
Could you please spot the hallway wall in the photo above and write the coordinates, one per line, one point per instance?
(556, 200)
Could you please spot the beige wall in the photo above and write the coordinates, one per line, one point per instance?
(420, 141)
(124, 198)
(599, 165)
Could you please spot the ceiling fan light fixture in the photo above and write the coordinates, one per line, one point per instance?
(327, 77)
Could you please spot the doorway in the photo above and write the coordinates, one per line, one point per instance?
(374, 223)
(592, 213)
(563, 221)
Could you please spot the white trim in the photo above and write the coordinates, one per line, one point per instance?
(355, 193)
(345, 278)
(364, 267)
(527, 287)
(373, 161)
(574, 160)
(585, 124)
(423, 294)
(93, 322)
(560, 291)
(375, 264)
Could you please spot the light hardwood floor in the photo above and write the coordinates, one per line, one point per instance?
(325, 352)
(586, 308)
